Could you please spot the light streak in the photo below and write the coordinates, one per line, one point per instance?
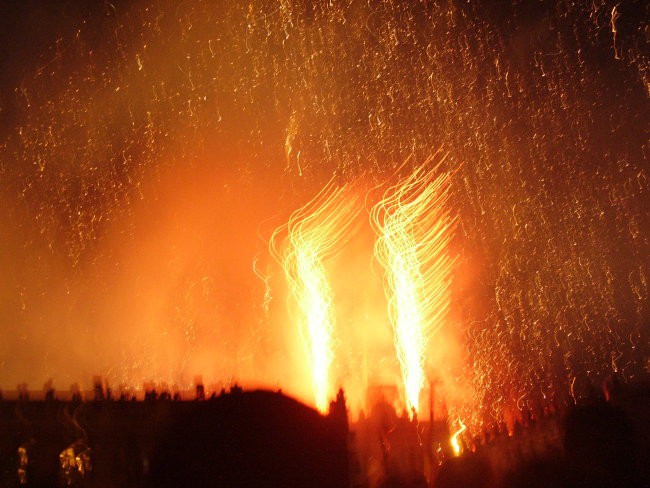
(455, 445)
(414, 228)
(613, 18)
(266, 278)
(314, 234)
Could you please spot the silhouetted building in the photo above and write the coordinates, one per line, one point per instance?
(256, 438)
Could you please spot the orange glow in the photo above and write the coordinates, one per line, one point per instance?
(414, 228)
(314, 234)
(145, 151)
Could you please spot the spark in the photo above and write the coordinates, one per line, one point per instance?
(613, 18)
(455, 445)
(314, 234)
(266, 278)
(414, 228)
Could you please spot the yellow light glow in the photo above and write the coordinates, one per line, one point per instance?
(414, 228)
(313, 235)
(455, 445)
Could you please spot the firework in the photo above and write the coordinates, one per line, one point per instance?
(314, 234)
(414, 227)
(455, 445)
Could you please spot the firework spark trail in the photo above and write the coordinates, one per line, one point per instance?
(265, 278)
(414, 226)
(455, 445)
(314, 234)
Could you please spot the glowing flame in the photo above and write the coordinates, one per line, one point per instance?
(455, 445)
(414, 228)
(314, 233)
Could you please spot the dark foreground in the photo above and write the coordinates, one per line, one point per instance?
(256, 438)
(262, 438)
